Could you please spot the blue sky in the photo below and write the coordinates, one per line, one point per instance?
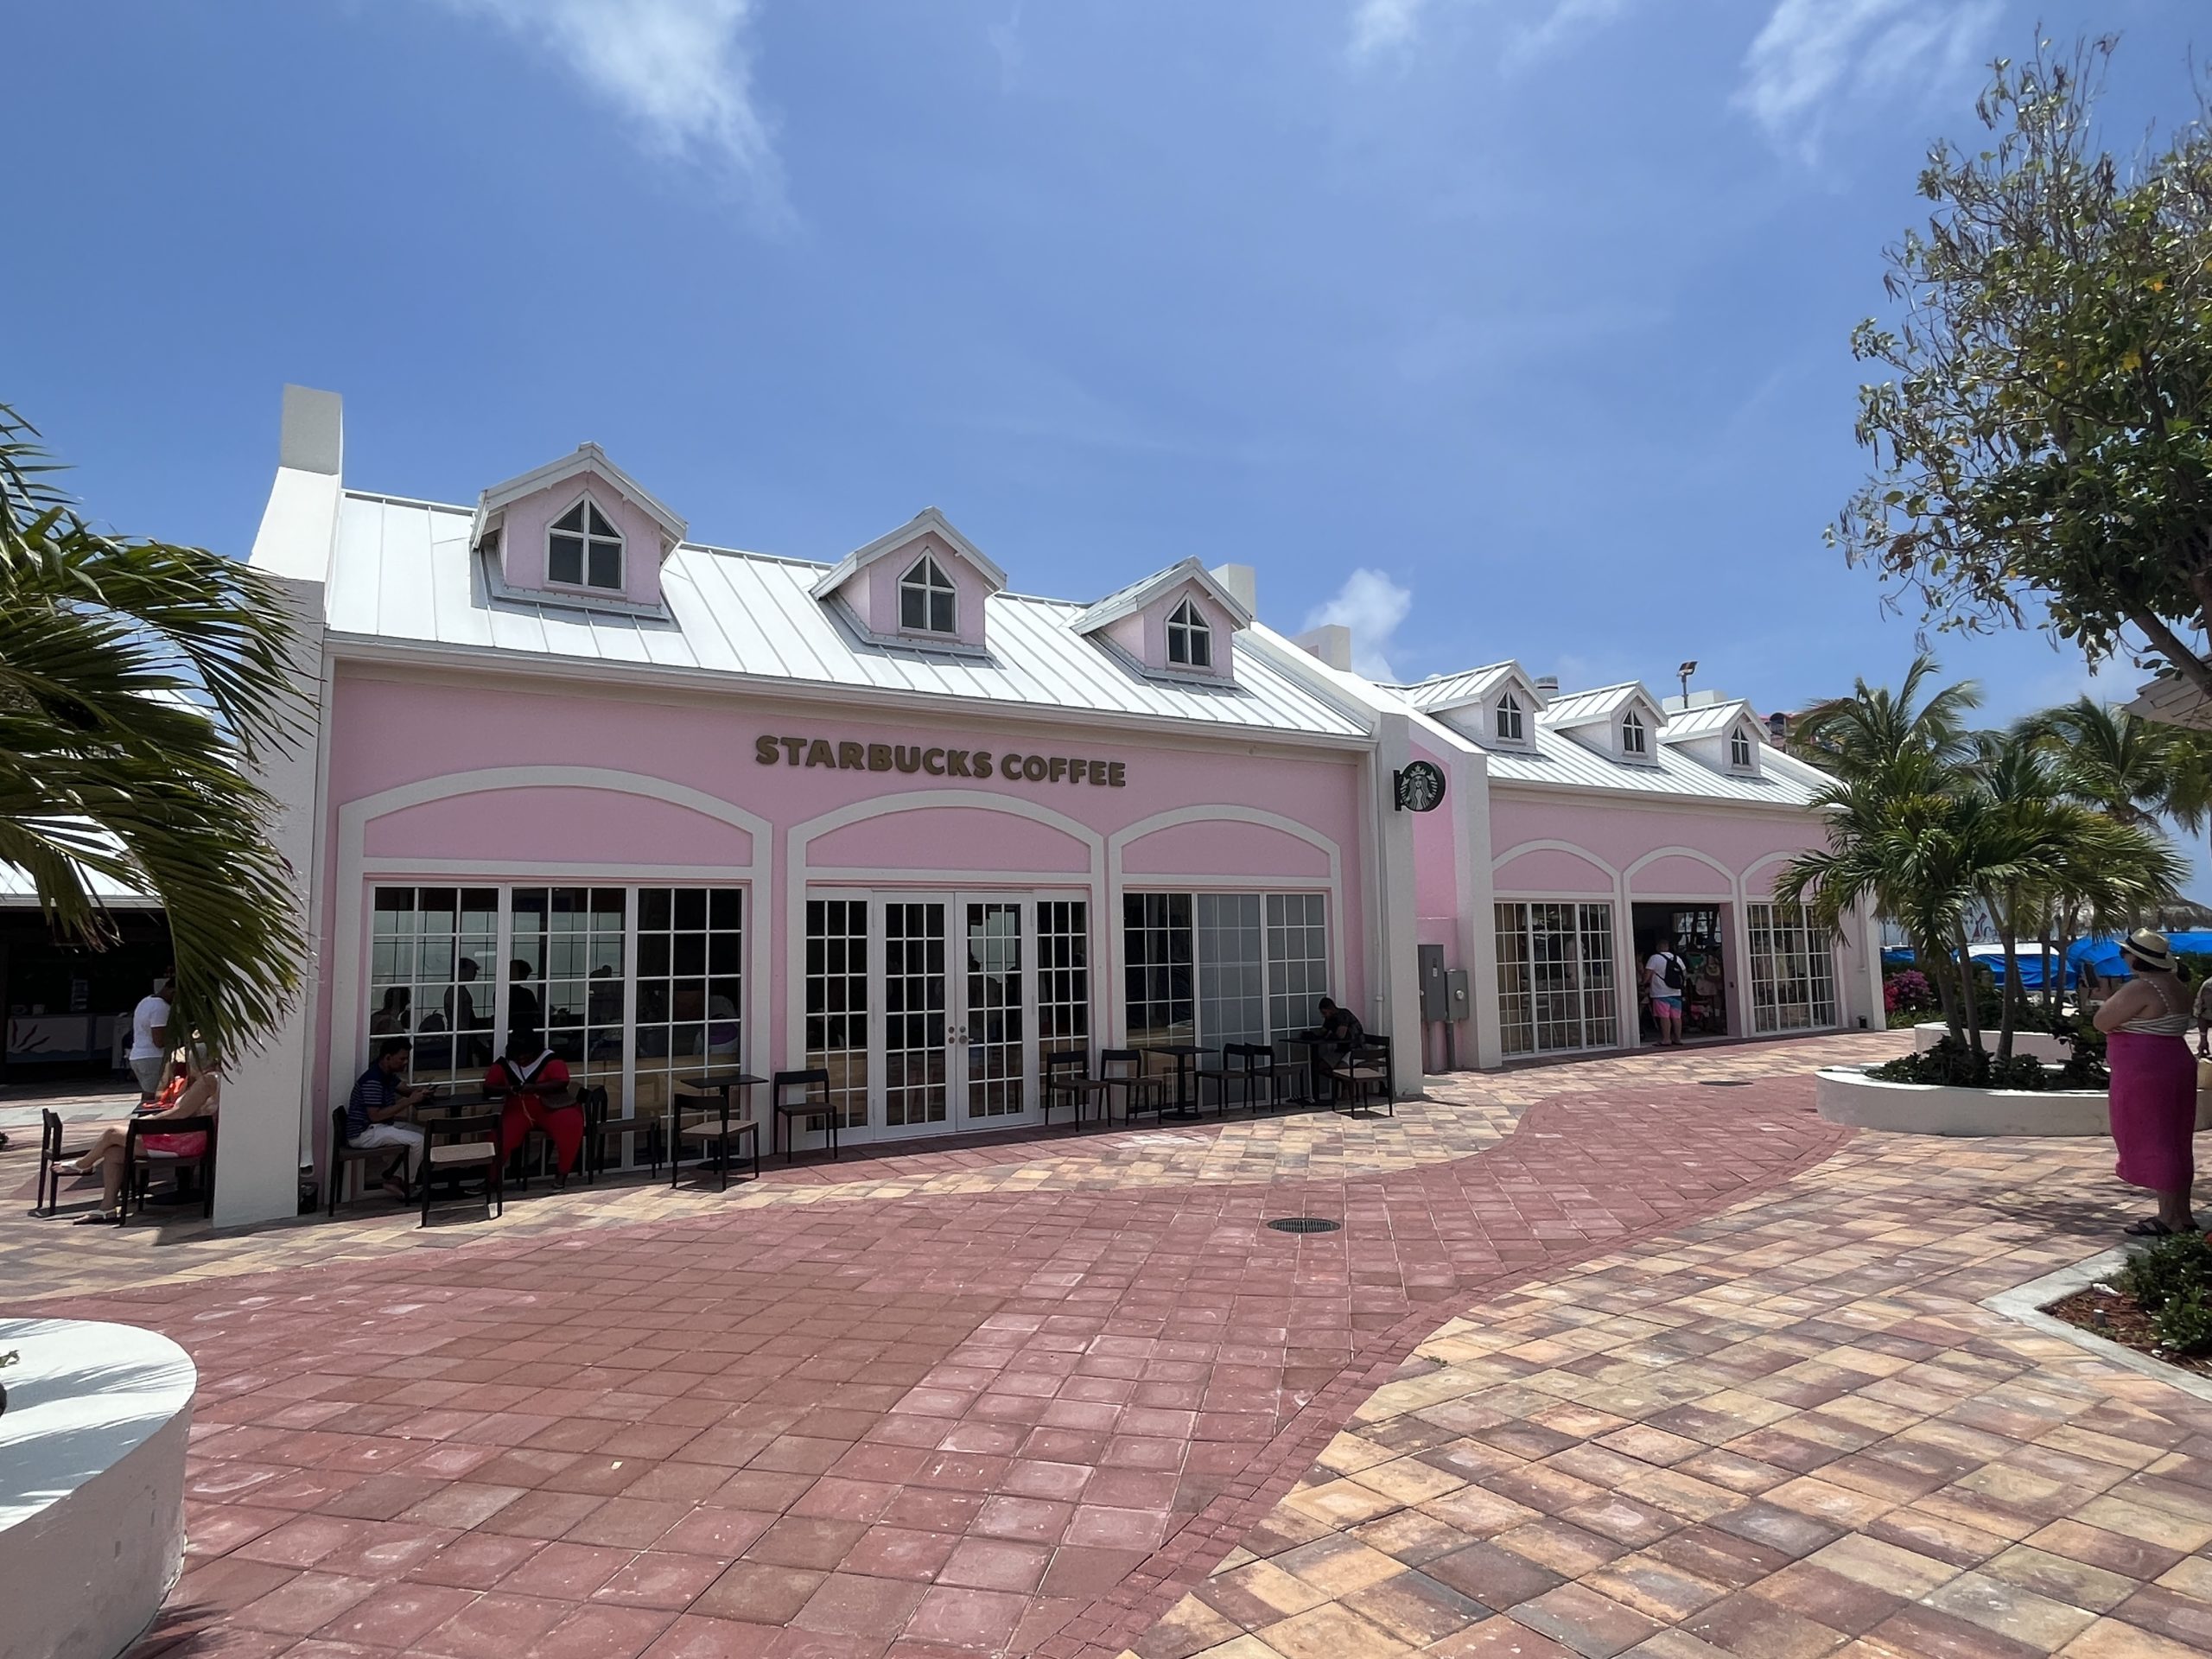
(1535, 311)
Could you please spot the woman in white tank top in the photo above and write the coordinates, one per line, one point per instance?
(2153, 1082)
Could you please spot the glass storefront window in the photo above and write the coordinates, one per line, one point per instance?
(1793, 970)
(1556, 982)
(1215, 967)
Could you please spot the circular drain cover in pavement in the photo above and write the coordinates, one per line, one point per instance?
(1304, 1224)
(1726, 1083)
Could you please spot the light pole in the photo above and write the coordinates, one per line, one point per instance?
(1685, 670)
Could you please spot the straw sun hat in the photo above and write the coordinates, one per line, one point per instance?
(2149, 949)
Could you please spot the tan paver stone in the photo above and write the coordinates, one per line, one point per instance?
(2011, 1611)
(2108, 1638)
(1885, 1567)
(2075, 1583)
(1333, 1631)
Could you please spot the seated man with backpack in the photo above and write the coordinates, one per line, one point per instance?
(1666, 976)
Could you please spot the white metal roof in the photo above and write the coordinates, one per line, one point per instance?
(17, 891)
(1457, 690)
(1556, 759)
(405, 571)
(1707, 720)
(2173, 699)
(927, 521)
(1123, 600)
(1586, 708)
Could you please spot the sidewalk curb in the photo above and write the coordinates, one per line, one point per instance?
(2025, 1304)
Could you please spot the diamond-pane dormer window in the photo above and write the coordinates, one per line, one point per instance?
(583, 550)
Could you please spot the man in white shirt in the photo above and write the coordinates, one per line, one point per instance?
(149, 1038)
(1664, 966)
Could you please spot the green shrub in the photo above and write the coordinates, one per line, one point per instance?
(2172, 1270)
(2185, 1324)
(1954, 1065)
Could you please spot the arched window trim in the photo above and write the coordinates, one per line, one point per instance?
(586, 533)
(928, 602)
(1634, 739)
(1511, 728)
(1190, 637)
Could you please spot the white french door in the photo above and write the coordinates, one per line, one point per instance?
(954, 1044)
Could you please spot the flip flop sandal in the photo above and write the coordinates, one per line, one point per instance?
(2149, 1227)
(95, 1218)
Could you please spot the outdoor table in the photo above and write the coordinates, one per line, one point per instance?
(724, 1084)
(1182, 1054)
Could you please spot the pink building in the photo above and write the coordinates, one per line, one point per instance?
(684, 809)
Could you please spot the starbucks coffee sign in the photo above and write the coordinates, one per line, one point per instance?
(1008, 766)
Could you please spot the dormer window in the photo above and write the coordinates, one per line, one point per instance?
(1508, 719)
(1190, 640)
(583, 550)
(1740, 749)
(925, 599)
(1634, 739)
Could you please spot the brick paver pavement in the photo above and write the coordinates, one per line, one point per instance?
(1025, 1397)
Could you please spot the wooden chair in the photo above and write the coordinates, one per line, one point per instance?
(1141, 1089)
(806, 1106)
(141, 1161)
(453, 1145)
(53, 1146)
(1066, 1077)
(1363, 1072)
(711, 1125)
(343, 1156)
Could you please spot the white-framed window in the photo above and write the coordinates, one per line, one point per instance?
(1634, 738)
(1509, 726)
(1793, 970)
(1215, 968)
(1190, 640)
(837, 1002)
(926, 599)
(1740, 749)
(582, 549)
(1556, 983)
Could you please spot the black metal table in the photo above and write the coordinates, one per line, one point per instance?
(724, 1084)
(1182, 1054)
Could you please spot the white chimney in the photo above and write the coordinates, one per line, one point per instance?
(1548, 685)
(1241, 581)
(1332, 643)
(312, 436)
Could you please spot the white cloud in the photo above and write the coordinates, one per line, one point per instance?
(1813, 54)
(680, 70)
(1371, 606)
(1567, 22)
(1379, 25)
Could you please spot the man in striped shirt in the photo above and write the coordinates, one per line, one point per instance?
(378, 1103)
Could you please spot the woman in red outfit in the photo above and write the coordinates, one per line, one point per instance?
(534, 1081)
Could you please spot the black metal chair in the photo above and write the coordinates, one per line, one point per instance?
(1143, 1089)
(805, 1107)
(1239, 1067)
(1362, 1073)
(602, 1129)
(1066, 1078)
(53, 1146)
(344, 1155)
(1287, 1081)
(140, 1161)
(453, 1145)
(711, 1124)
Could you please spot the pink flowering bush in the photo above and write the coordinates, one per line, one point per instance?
(1908, 992)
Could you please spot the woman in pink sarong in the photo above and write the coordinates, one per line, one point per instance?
(2153, 1083)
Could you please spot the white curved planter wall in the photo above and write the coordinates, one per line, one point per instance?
(92, 1484)
(1865, 1102)
(2041, 1044)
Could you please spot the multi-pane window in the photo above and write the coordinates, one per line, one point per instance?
(1298, 959)
(433, 961)
(582, 549)
(1740, 749)
(564, 983)
(1633, 737)
(1793, 971)
(1063, 973)
(1508, 719)
(690, 988)
(1156, 957)
(1190, 640)
(926, 598)
(915, 1073)
(1215, 968)
(997, 1068)
(1232, 968)
(837, 1002)
(1556, 981)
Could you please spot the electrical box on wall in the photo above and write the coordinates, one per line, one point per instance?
(1455, 993)
(1434, 1003)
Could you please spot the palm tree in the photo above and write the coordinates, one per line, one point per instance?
(2066, 858)
(1894, 743)
(2138, 770)
(139, 681)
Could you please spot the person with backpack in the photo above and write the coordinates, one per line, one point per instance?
(1666, 976)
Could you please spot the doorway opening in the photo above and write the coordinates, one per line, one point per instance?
(1700, 932)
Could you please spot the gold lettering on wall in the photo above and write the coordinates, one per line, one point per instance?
(771, 749)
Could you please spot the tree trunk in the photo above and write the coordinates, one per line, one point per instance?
(2009, 1020)
(1973, 1001)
